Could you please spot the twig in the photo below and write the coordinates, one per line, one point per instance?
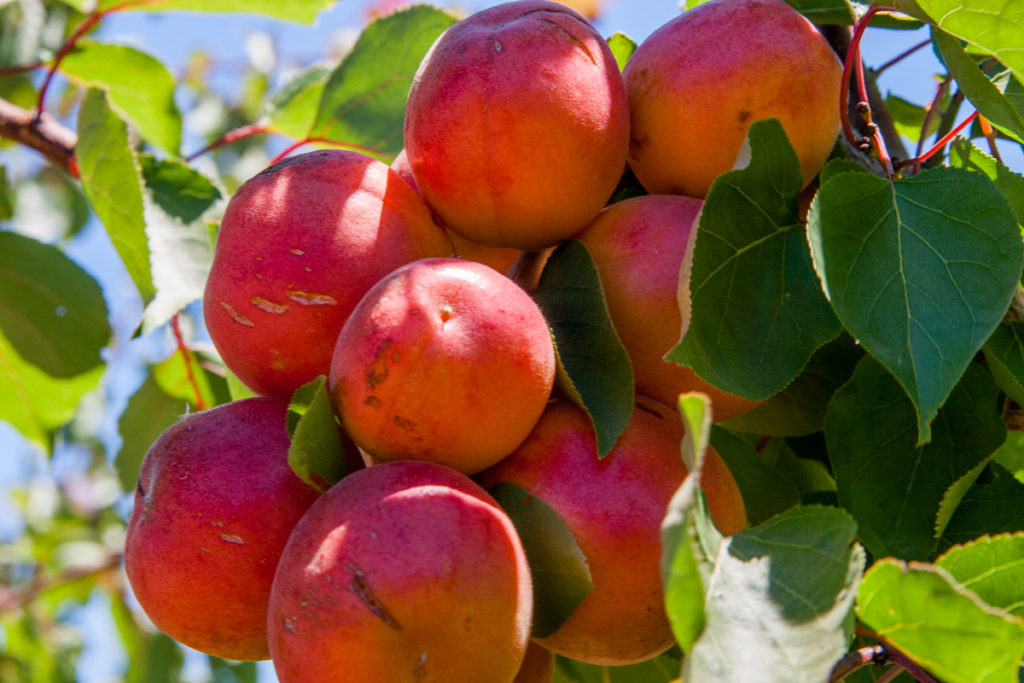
(43, 133)
(12, 599)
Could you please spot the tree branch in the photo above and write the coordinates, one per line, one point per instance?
(46, 135)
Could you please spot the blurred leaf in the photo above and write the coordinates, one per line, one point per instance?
(663, 669)
(178, 243)
(942, 627)
(991, 567)
(751, 251)
(593, 367)
(112, 182)
(963, 154)
(35, 403)
(364, 100)
(293, 109)
(920, 271)
(561, 576)
(976, 86)
(316, 452)
(180, 375)
(992, 25)
(780, 594)
(6, 208)
(765, 492)
(139, 86)
(304, 11)
(225, 671)
(799, 409)
(150, 411)
(622, 47)
(891, 485)
(1004, 352)
(50, 206)
(995, 504)
(236, 388)
(51, 310)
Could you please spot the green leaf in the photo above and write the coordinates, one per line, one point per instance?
(225, 671)
(891, 485)
(1011, 454)
(293, 109)
(662, 669)
(178, 242)
(316, 452)
(765, 492)
(303, 11)
(622, 47)
(941, 626)
(150, 411)
(799, 409)
(751, 252)
(139, 86)
(35, 403)
(363, 102)
(779, 600)
(920, 271)
(835, 12)
(594, 369)
(1004, 352)
(976, 86)
(6, 208)
(908, 118)
(991, 567)
(809, 476)
(561, 577)
(995, 504)
(112, 182)
(992, 25)
(180, 376)
(51, 310)
(963, 154)
(236, 388)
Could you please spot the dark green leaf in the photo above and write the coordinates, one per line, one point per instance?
(891, 485)
(991, 567)
(663, 669)
(908, 118)
(995, 504)
(112, 182)
(779, 600)
(809, 476)
(1011, 454)
(942, 627)
(836, 166)
(593, 367)
(6, 208)
(1004, 352)
(180, 191)
(293, 109)
(975, 85)
(751, 252)
(800, 408)
(149, 412)
(561, 577)
(364, 100)
(963, 154)
(920, 271)
(139, 86)
(622, 47)
(316, 453)
(51, 310)
(992, 25)
(765, 492)
(35, 403)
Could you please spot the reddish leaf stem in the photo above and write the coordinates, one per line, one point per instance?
(186, 357)
(933, 107)
(19, 69)
(990, 135)
(903, 55)
(239, 133)
(942, 142)
(323, 141)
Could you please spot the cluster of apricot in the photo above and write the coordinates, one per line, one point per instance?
(441, 369)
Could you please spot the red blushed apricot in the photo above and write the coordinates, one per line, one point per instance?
(614, 507)
(538, 665)
(517, 125)
(639, 246)
(443, 360)
(698, 82)
(214, 506)
(299, 244)
(403, 571)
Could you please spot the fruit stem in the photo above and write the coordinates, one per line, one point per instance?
(186, 357)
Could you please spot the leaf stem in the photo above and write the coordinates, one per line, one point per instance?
(19, 69)
(186, 357)
(903, 55)
(239, 133)
(942, 142)
(990, 135)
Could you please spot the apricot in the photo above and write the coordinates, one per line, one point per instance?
(443, 360)
(214, 506)
(517, 125)
(403, 571)
(538, 665)
(299, 244)
(614, 507)
(499, 258)
(697, 83)
(640, 246)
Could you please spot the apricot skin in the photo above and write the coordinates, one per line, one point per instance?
(614, 507)
(403, 571)
(299, 244)
(517, 125)
(697, 83)
(443, 360)
(214, 506)
(639, 246)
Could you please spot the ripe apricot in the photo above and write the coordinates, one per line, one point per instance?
(443, 360)
(697, 83)
(215, 503)
(517, 125)
(299, 244)
(614, 507)
(403, 571)
(639, 246)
